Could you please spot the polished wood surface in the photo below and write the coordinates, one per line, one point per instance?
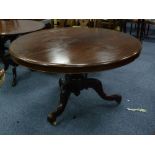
(75, 50)
(10, 29)
(14, 27)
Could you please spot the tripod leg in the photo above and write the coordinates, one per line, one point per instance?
(64, 96)
(97, 86)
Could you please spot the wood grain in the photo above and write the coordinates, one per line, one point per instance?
(75, 50)
(13, 27)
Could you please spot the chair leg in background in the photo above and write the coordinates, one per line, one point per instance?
(131, 28)
(148, 28)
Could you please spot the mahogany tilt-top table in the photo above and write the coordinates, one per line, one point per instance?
(75, 52)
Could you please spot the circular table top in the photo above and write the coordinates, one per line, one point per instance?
(15, 27)
(75, 50)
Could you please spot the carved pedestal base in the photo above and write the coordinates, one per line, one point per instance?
(74, 83)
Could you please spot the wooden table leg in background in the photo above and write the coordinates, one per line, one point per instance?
(6, 60)
(2, 53)
(140, 29)
(74, 83)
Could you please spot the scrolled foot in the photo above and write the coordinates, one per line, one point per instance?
(117, 98)
(52, 119)
(97, 86)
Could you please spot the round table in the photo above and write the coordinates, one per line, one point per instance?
(75, 52)
(11, 29)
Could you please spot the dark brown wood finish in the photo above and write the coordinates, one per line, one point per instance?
(10, 30)
(74, 83)
(15, 27)
(75, 50)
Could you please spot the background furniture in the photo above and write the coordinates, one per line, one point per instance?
(115, 24)
(140, 26)
(148, 23)
(2, 76)
(10, 30)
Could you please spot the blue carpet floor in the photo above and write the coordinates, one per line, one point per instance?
(24, 108)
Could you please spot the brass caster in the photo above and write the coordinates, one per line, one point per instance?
(54, 123)
(52, 119)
